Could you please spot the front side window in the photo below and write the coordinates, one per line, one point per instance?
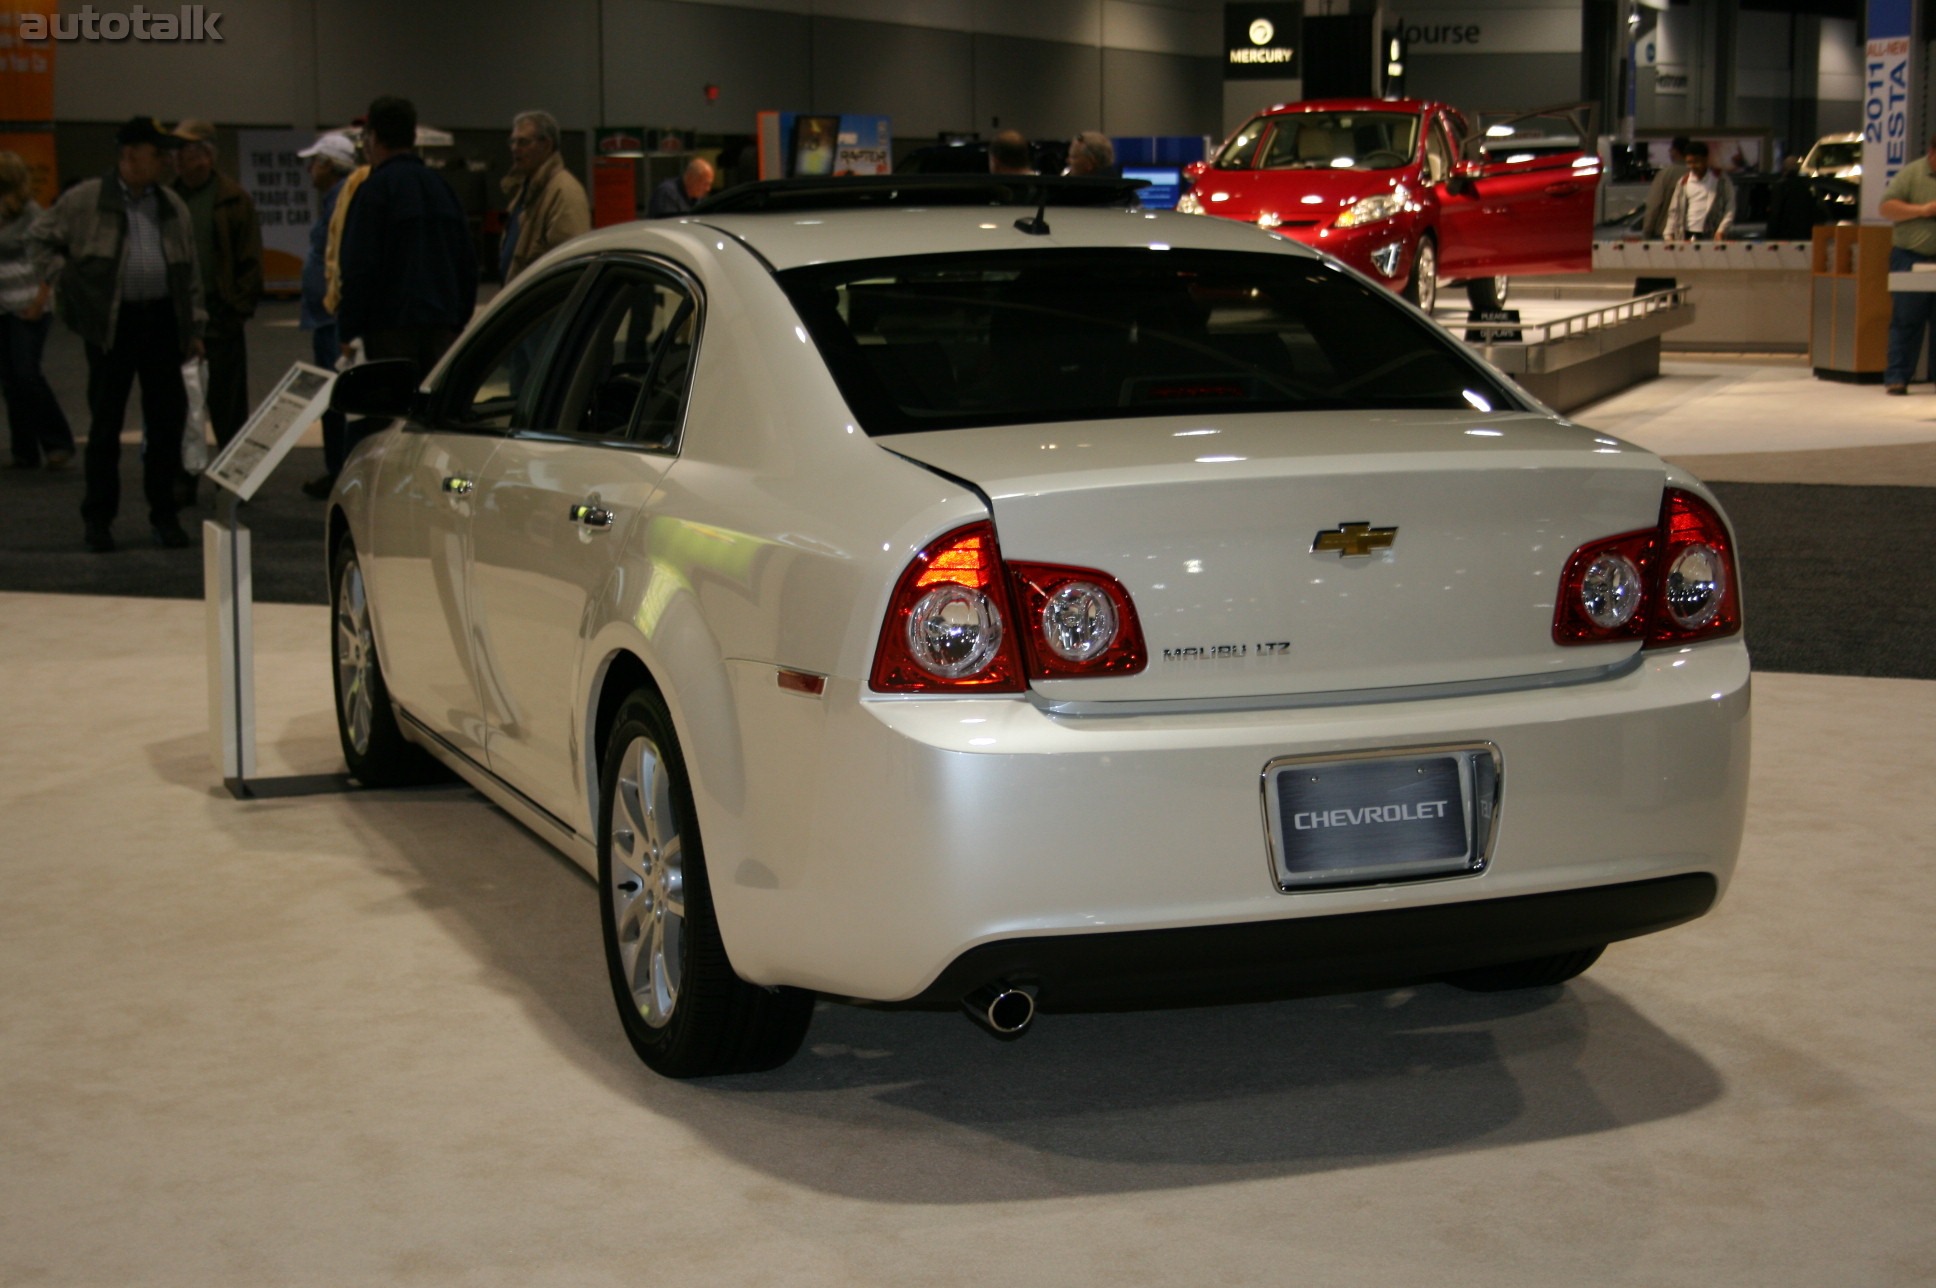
(953, 341)
(630, 379)
(1341, 141)
(493, 381)
(1438, 153)
(1241, 152)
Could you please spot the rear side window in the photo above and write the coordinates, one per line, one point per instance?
(944, 342)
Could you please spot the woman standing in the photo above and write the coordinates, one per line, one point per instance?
(39, 432)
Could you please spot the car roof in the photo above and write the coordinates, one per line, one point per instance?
(1413, 105)
(796, 238)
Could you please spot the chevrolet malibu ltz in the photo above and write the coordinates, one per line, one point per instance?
(941, 593)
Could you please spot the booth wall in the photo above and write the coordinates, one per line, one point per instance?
(658, 56)
(1494, 82)
(931, 65)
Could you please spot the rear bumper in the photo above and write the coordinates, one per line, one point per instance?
(868, 848)
(1309, 955)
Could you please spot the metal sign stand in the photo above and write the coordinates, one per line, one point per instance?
(297, 402)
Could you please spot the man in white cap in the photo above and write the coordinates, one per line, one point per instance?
(331, 158)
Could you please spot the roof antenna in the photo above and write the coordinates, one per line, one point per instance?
(1035, 225)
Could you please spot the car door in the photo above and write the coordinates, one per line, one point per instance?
(1535, 184)
(1468, 233)
(422, 518)
(562, 503)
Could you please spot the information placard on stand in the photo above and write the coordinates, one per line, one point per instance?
(298, 401)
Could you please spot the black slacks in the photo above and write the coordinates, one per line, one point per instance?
(147, 346)
(228, 376)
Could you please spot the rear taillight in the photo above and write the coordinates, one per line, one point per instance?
(961, 620)
(1670, 584)
(1076, 621)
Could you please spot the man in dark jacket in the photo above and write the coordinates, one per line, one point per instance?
(409, 270)
(121, 253)
(228, 250)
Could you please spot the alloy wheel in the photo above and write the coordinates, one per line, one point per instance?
(647, 872)
(1425, 271)
(355, 657)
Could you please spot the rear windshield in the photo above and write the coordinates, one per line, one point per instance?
(1324, 141)
(953, 341)
(1833, 156)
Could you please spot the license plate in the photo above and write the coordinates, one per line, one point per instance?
(1380, 817)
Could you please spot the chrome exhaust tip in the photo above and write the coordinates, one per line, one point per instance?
(1004, 1011)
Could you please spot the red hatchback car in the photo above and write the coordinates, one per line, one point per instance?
(1409, 194)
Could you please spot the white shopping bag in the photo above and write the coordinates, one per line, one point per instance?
(195, 432)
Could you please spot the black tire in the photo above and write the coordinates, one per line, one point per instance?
(377, 752)
(1539, 972)
(1488, 294)
(1425, 269)
(685, 1011)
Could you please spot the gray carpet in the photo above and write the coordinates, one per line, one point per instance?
(1838, 580)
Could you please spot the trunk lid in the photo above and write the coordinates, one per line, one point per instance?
(1210, 524)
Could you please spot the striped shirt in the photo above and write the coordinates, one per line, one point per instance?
(19, 284)
(144, 272)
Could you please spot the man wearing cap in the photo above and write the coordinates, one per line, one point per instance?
(228, 250)
(121, 252)
(331, 158)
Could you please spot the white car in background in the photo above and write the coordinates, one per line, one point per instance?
(904, 591)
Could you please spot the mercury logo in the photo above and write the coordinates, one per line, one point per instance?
(1261, 32)
(1306, 820)
(192, 23)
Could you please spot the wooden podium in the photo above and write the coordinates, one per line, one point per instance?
(1848, 334)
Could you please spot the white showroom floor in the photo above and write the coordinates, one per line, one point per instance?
(366, 1039)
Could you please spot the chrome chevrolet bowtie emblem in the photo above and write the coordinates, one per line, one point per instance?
(1353, 539)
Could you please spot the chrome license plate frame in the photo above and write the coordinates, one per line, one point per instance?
(1381, 816)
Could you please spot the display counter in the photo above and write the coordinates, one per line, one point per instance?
(1755, 297)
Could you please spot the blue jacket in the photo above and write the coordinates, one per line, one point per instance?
(407, 259)
(315, 274)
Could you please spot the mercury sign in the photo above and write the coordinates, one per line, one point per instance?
(1261, 40)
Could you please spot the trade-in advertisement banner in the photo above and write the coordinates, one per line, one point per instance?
(285, 201)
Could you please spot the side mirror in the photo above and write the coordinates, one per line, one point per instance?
(385, 388)
(1196, 170)
(1463, 181)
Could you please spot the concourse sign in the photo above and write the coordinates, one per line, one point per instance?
(1261, 41)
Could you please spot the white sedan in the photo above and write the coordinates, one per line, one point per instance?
(901, 597)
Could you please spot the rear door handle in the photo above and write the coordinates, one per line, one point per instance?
(458, 486)
(591, 516)
(1566, 188)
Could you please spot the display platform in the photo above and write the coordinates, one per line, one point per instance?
(1573, 343)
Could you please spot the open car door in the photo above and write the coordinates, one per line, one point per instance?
(1533, 178)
